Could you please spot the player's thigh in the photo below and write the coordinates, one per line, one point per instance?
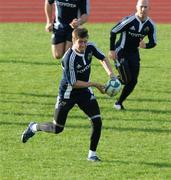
(134, 69)
(134, 65)
(90, 107)
(68, 45)
(62, 110)
(58, 50)
(58, 43)
(124, 70)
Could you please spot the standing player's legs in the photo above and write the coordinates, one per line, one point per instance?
(91, 108)
(58, 50)
(57, 126)
(68, 45)
(61, 42)
(133, 67)
(123, 70)
(128, 88)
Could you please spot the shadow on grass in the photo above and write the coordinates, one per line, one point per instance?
(123, 129)
(28, 62)
(26, 102)
(154, 164)
(146, 130)
(14, 123)
(157, 91)
(149, 110)
(116, 118)
(150, 100)
(165, 100)
(120, 129)
(155, 111)
(155, 67)
(25, 114)
(30, 94)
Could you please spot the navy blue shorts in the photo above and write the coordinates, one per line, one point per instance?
(86, 102)
(62, 35)
(129, 67)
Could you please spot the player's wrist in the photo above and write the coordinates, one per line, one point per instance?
(79, 22)
(112, 76)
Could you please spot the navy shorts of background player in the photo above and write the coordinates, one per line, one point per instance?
(132, 31)
(65, 12)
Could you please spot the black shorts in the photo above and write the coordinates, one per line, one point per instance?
(86, 102)
(62, 35)
(128, 67)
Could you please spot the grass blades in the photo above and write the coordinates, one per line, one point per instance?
(135, 144)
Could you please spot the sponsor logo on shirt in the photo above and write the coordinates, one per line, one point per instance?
(79, 66)
(90, 56)
(137, 35)
(146, 29)
(84, 69)
(66, 4)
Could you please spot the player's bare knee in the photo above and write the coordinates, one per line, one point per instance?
(57, 56)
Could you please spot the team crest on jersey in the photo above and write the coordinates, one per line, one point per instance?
(146, 29)
(90, 56)
(79, 66)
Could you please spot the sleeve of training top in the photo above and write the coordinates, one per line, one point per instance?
(72, 71)
(51, 1)
(84, 7)
(118, 28)
(69, 68)
(97, 52)
(152, 37)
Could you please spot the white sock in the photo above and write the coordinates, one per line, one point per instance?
(91, 153)
(34, 128)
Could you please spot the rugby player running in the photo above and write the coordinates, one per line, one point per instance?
(69, 15)
(125, 52)
(76, 88)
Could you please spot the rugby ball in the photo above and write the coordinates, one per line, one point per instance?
(112, 87)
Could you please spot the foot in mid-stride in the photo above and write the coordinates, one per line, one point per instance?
(94, 159)
(28, 133)
(118, 106)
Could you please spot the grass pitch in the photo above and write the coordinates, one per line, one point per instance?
(135, 144)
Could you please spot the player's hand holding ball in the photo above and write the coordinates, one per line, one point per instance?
(100, 87)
